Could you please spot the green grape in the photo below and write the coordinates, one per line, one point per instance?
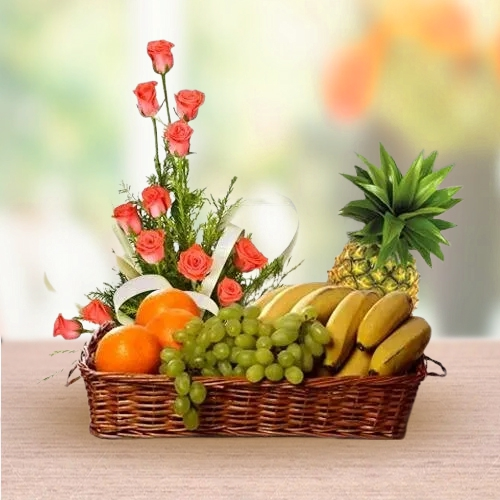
(234, 354)
(250, 326)
(239, 371)
(294, 375)
(191, 420)
(214, 320)
(210, 359)
(182, 384)
(221, 350)
(169, 353)
(197, 393)
(296, 351)
(194, 326)
(229, 341)
(217, 333)
(189, 345)
(255, 373)
(251, 312)
(307, 360)
(180, 336)
(225, 368)
(245, 341)
(290, 321)
(199, 350)
(309, 313)
(198, 362)
(163, 369)
(286, 359)
(229, 314)
(175, 367)
(284, 336)
(264, 356)
(315, 348)
(274, 372)
(265, 329)
(246, 358)
(210, 371)
(264, 343)
(233, 327)
(181, 405)
(238, 308)
(319, 333)
(203, 338)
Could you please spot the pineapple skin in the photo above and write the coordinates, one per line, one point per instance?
(354, 267)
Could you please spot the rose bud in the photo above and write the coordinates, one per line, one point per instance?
(156, 200)
(128, 218)
(69, 329)
(146, 99)
(160, 53)
(194, 264)
(228, 292)
(188, 103)
(177, 135)
(96, 312)
(150, 245)
(246, 257)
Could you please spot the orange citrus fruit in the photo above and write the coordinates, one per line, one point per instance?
(160, 300)
(128, 349)
(165, 324)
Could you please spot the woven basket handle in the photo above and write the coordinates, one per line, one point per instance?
(434, 374)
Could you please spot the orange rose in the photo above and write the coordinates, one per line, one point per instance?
(228, 292)
(128, 218)
(194, 263)
(146, 99)
(156, 200)
(96, 312)
(247, 258)
(150, 245)
(67, 328)
(188, 103)
(161, 55)
(177, 135)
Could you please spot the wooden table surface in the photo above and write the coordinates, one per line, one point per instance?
(451, 450)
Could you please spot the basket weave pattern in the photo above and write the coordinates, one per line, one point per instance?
(372, 407)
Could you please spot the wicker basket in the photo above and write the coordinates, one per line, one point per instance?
(351, 407)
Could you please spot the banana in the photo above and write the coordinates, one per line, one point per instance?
(264, 299)
(283, 301)
(324, 300)
(344, 322)
(403, 346)
(357, 364)
(386, 315)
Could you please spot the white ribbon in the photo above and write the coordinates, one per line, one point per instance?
(222, 251)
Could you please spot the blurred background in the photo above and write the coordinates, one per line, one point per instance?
(293, 91)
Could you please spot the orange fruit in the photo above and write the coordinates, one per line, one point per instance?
(161, 300)
(128, 349)
(165, 324)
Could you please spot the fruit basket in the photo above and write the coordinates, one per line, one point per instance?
(347, 407)
(202, 336)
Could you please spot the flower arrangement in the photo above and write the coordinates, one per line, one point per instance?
(160, 231)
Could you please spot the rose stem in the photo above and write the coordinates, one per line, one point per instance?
(166, 96)
(157, 160)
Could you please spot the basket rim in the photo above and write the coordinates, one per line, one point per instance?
(85, 366)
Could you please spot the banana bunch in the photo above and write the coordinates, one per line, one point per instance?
(370, 334)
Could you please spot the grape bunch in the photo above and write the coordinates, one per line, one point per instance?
(235, 343)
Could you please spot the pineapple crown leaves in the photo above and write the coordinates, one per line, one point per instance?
(399, 211)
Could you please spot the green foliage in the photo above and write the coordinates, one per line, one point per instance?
(183, 229)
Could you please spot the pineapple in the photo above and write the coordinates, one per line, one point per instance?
(399, 215)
